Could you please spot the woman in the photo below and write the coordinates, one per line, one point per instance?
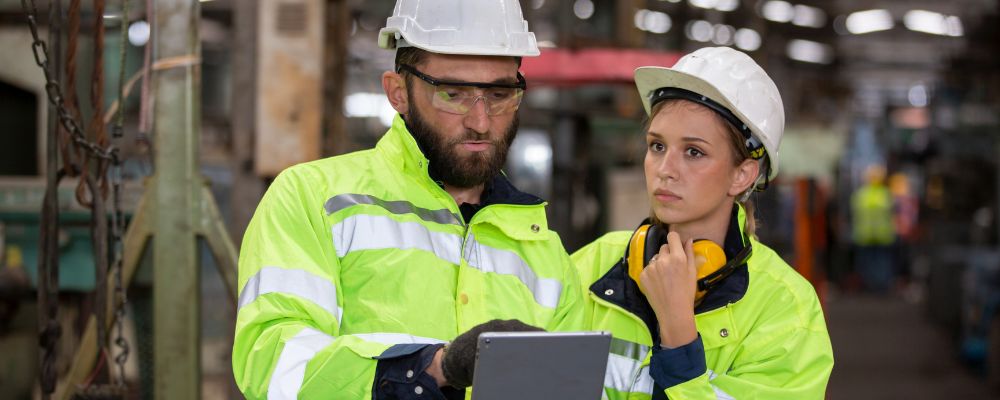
(752, 329)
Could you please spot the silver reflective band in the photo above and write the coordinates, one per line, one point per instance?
(294, 282)
(628, 349)
(487, 259)
(343, 201)
(290, 370)
(395, 338)
(719, 394)
(372, 232)
(625, 375)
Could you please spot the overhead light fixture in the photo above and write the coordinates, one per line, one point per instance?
(727, 5)
(809, 51)
(917, 95)
(723, 35)
(807, 16)
(708, 4)
(862, 22)
(747, 39)
(138, 33)
(933, 23)
(653, 21)
(778, 11)
(699, 30)
(583, 9)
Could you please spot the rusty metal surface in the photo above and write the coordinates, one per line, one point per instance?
(290, 85)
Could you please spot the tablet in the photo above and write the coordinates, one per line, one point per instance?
(540, 365)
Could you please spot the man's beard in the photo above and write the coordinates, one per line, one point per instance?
(453, 168)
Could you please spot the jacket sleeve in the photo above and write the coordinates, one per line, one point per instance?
(787, 356)
(569, 315)
(287, 342)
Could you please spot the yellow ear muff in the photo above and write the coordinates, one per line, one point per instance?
(709, 257)
(636, 248)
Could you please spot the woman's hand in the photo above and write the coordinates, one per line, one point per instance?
(670, 283)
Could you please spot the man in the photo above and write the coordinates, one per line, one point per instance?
(356, 269)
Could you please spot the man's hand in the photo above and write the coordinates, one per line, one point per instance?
(459, 361)
(670, 283)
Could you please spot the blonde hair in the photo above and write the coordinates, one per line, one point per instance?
(740, 154)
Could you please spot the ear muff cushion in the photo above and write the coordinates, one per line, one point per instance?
(708, 256)
(636, 251)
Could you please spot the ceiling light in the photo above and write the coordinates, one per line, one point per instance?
(933, 23)
(808, 16)
(869, 21)
(747, 39)
(809, 51)
(778, 11)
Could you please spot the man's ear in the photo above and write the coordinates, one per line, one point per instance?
(395, 90)
(744, 176)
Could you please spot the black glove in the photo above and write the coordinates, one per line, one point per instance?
(459, 361)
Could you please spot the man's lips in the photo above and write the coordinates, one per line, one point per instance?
(476, 145)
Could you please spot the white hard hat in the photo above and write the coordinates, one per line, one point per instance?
(730, 79)
(480, 27)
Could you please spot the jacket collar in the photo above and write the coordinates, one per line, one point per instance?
(618, 288)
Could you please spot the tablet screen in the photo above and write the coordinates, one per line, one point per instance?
(540, 365)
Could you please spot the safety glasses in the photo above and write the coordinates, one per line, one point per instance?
(460, 97)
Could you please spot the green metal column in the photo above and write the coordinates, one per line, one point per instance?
(176, 206)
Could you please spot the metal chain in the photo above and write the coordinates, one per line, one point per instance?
(117, 217)
(54, 92)
(111, 154)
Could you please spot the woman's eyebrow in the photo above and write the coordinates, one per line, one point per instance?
(694, 139)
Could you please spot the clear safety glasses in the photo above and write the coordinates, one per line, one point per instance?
(460, 97)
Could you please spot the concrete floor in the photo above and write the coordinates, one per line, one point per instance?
(886, 348)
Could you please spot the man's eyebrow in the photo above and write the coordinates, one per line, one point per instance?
(502, 81)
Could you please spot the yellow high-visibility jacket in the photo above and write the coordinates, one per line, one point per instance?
(871, 206)
(348, 256)
(762, 334)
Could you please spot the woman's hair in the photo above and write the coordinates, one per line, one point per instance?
(736, 143)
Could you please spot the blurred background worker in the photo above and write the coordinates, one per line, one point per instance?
(873, 226)
(213, 99)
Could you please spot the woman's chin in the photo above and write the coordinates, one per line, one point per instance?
(670, 217)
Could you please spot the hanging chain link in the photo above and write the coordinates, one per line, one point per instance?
(109, 154)
(117, 217)
(54, 92)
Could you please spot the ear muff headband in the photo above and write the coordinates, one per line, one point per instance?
(646, 241)
(754, 145)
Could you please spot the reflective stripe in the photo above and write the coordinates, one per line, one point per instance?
(395, 338)
(622, 373)
(342, 201)
(487, 259)
(628, 349)
(290, 369)
(370, 232)
(295, 282)
(719, 394)
(644, 382)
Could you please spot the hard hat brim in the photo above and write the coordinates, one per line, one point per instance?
(391, 39)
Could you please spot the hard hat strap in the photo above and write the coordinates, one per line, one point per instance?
(753, 144)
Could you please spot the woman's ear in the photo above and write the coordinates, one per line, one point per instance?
(744, 176)
(395, 90)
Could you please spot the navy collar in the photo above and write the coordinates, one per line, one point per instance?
(619, 289)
